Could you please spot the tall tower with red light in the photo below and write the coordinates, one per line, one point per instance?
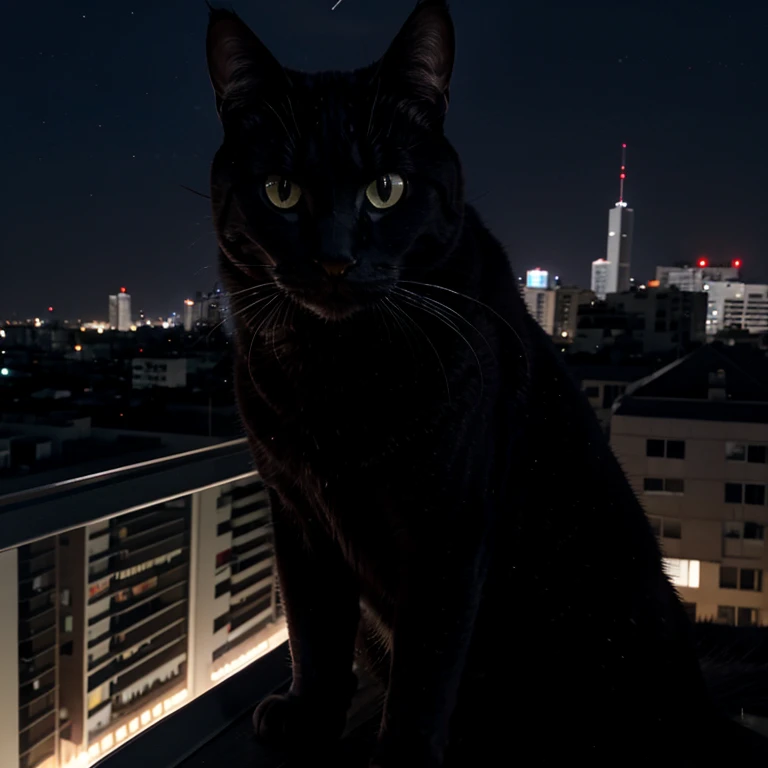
(618, 252)
(120, 310)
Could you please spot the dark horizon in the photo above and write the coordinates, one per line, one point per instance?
(113, 114)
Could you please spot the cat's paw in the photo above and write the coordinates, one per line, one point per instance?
(293, 721)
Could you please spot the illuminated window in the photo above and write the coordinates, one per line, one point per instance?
(683, 573)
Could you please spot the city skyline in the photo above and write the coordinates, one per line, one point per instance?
(104, 137)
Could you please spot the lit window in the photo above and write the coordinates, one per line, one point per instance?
(683, 573)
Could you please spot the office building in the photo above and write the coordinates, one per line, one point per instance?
(693, 439)
(208, 308)
(120, 311)
(740, 306)
(599, 282)
(731, 304)
(189, 317)
(643, 321)
(688, 277)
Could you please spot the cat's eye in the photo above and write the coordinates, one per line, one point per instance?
(385, 191)
(282, 192)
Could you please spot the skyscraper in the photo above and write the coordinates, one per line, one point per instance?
(120, 311)
(619, 247)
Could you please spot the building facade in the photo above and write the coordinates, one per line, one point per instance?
(111, 626)
(693, 440)
(541, 305)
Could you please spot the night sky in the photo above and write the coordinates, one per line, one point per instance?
(108, 110)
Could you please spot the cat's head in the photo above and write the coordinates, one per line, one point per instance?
(332, 184)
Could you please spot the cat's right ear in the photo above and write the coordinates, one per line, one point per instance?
(239, 64)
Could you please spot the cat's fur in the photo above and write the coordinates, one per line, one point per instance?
(429, 460)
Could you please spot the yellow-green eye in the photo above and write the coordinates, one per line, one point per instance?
(385, 191)
(282, 192)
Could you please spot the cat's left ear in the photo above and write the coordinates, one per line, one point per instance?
(419, 62)
(239, 64)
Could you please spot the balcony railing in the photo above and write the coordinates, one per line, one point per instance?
(160, 658)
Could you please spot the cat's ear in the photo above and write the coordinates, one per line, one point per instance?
(238, 62)
(419, 62)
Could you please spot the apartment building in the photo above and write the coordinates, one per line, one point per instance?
(123, 620)
(136, 614)
(236, 597)
(693, 439)
(39, 724)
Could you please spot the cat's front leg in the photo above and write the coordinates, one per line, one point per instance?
(434, 619)
(321, 600)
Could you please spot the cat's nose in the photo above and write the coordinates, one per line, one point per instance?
(337, 267)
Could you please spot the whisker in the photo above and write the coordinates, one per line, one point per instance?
(388, 306)
(253, 339)
(429, 341)
(250, 288)
(441, 308)
(481, 304)
(459, 333)
(293, 116)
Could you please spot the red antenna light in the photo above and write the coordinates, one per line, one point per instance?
(122, 290)
(50, 309)
(736, 263)
(703, 262)
(623, 174)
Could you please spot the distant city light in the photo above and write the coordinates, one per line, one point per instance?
(50, 309)
(736, 263)
(78, 347)
(2, 333)
(537, 278)
(4, 372)
(189, 302)
(702, 262)
(123, 290)
(99, 330)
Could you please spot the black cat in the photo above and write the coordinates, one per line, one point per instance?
(441, 491)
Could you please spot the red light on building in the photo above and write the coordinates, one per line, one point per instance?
(50, 309)
(736, 263)
(703, 263)
(122, 290)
